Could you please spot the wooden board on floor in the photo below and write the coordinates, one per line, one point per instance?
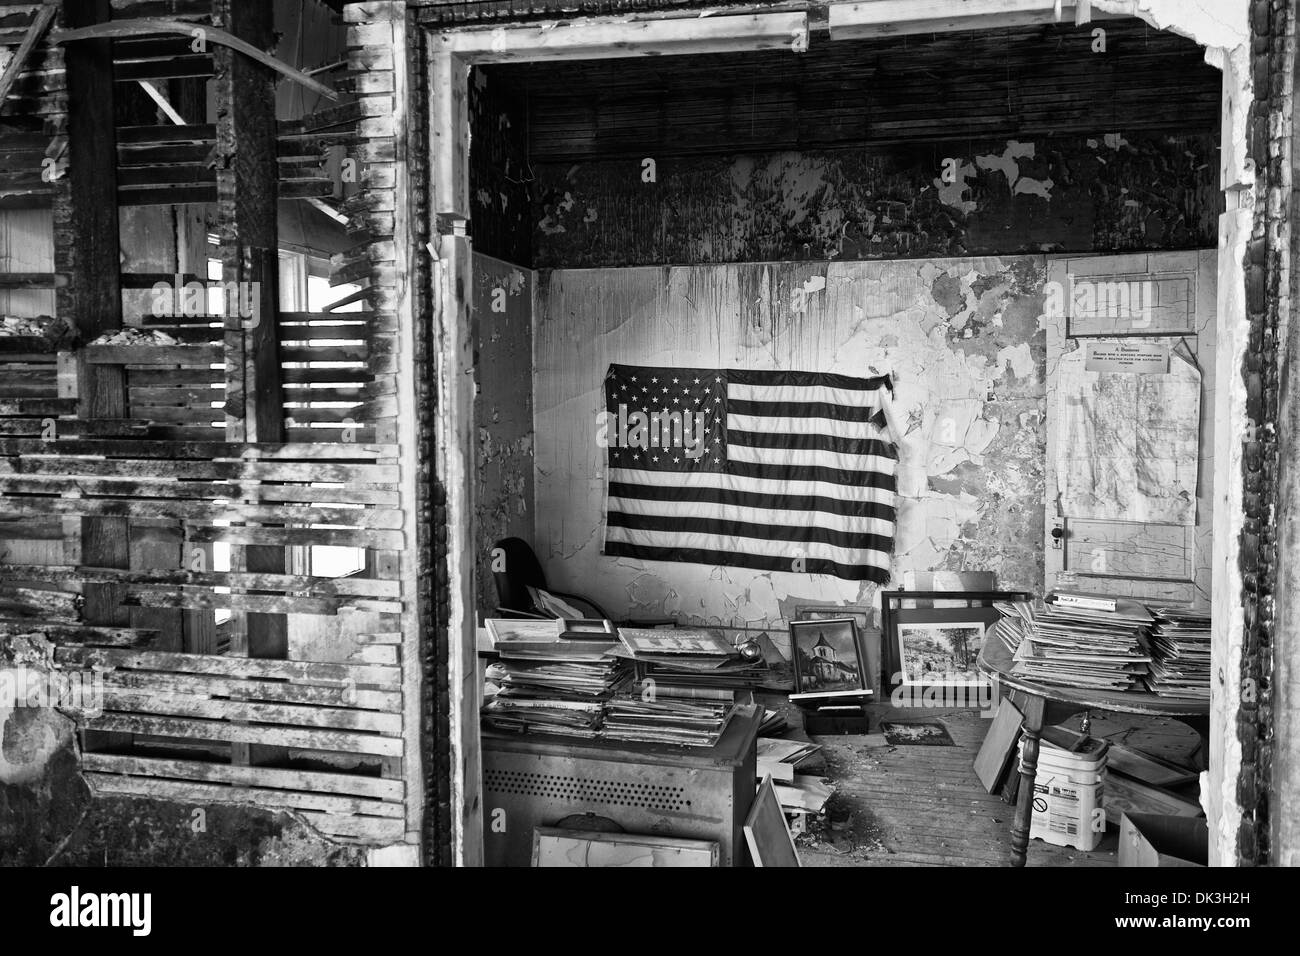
(999, 745)
(766, 833)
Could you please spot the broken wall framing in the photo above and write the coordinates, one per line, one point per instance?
(267, 430)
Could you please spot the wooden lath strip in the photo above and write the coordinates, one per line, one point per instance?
(206, 599)
(153, 354)
(78, 634)
(299, 537)
(339, 694)
(265, 777)
(37, 406)
(235, 451)
(295, 715)
(356, 829)
(203, 512)
(266, 798)
(356, 477)
(194, 728)
(77, 427)
(131, 486)
(175, 662)
(318, 586)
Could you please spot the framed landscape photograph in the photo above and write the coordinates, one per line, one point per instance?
(940, 651)
(929, 641)
(828, 659)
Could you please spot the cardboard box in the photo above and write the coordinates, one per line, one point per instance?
(1152, 839)
(1126, 795)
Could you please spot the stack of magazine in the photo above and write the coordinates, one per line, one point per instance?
(1180, 648)
(646, 718)
(553, 676)
(683, 692)
(1073, 640)
(689, 660)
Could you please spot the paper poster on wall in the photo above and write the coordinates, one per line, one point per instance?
(1129, 443)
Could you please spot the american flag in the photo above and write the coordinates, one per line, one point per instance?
(780, 471)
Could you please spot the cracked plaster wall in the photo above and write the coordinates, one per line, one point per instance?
(962, 338)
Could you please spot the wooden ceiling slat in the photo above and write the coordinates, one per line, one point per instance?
(1004, 82)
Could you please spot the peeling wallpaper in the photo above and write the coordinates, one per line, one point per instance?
(1109, 192)
(961, 337)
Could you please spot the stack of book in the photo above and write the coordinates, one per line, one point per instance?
(1075, 640)
(1180, 648)
(547, 682)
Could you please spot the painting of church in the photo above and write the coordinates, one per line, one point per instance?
(827, 657)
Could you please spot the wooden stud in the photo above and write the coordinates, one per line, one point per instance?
(448, 134)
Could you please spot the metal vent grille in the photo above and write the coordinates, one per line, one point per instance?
(622, 793)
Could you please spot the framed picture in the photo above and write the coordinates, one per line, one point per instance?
(938, 644)
(868, 632)
(942, 651)
(828, 659)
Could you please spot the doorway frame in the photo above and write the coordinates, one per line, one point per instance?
(450, 52)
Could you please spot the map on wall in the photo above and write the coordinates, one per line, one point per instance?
(1128, 449)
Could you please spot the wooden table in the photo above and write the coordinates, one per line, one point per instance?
(1044, 705)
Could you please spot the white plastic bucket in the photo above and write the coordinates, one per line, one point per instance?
(1068, 796)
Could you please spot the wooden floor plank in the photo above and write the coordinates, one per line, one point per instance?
(921, 805)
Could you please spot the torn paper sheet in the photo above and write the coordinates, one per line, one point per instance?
(1128, 443)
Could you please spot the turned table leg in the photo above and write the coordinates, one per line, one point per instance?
(1031, 727)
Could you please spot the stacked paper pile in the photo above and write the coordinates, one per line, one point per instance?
(1014, 625)
(680, 658)
(666, 720)
(1087, 647)
(557, 689)
(1180, 648)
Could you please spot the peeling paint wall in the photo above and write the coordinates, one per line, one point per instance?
(961, 337)
(1109, 192)
(503, 298)
(499, 175)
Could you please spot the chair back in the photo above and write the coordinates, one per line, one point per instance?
(520, 571)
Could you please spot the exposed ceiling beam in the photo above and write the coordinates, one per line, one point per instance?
(616, 37)
(882, 18)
